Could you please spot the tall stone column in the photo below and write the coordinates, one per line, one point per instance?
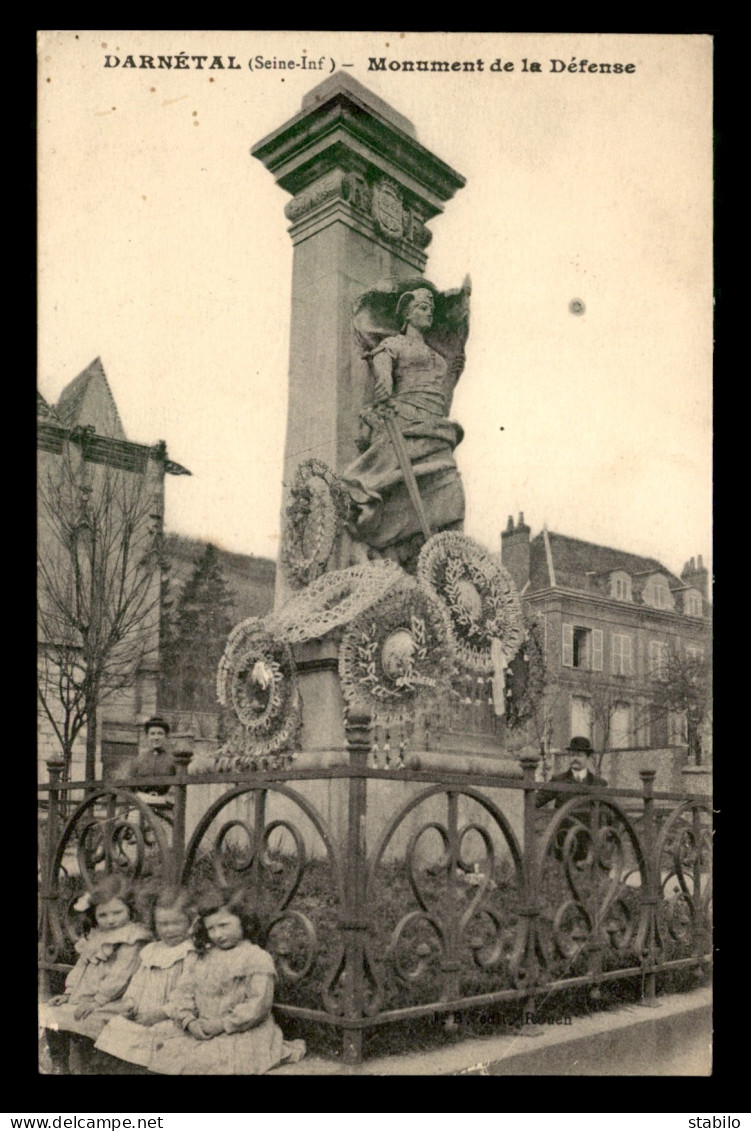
(363, 189)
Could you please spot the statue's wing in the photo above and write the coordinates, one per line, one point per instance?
(450, 329)
(452, 307)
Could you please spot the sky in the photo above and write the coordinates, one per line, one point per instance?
(163, 249)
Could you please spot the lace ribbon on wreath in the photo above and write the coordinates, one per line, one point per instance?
(333, 600)
(319, 503)
(525, 678)
(393, 658)
(478, 597)
(256, 678)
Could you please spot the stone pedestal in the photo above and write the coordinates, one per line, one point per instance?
(363, 189)
(322, 716)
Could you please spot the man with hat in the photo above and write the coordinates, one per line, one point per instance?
(579, 752)
(156, 762)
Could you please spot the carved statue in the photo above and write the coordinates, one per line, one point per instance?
(405, 485)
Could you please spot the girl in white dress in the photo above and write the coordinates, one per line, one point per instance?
(221, 1009)
(108, 956)
(129, 1036)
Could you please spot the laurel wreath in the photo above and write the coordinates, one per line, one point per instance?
(318, 506)
(267, 705)
(424, 673)
(448, 559)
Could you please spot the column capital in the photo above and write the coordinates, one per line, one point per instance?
(348, 155)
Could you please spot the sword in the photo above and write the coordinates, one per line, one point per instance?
(402, 455)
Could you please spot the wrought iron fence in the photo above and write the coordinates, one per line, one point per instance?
(449, 907)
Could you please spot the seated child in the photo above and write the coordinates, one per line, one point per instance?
(129, 1036)
(221, 1009)
(108, 956)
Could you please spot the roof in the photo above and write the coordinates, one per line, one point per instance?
(87, 399)
(45, 411)
(86, 408)
(585, 565)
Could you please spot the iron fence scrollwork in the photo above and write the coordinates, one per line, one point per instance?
(455, 905)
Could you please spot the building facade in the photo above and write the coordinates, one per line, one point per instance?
(613, 628)
(100, 524)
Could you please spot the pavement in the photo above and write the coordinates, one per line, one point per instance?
(671, 1038)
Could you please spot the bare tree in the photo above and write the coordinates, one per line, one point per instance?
(604, 696)
(98, 563)
(604, 700)
(683, 687)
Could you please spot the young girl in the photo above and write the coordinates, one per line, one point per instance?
(108, 956)
(221, 1010)
(130, 1036)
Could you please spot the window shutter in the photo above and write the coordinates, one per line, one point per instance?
(567, 646)
(628, 666)
(615, 653)
(597, 649)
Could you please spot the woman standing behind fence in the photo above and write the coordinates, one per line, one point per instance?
(221, 1010)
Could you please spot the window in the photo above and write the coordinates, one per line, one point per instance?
(659, 728)
(620, 727)
(692, 604)
(677, 733)
(620, 586)
(622, 658)
(582, 647)
(641, 717)
(581, 716)
(658, 659)
(657, 593)
(694, 652)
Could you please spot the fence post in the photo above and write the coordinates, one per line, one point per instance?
(450, 965)
(700, 940)
(359, 738)
(529, 764)
(652, 897)
(56, 768)
(182, 759)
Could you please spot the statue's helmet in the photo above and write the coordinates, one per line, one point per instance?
(421, 294)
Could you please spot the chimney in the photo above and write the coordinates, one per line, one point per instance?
(696, 574)
(515, 550)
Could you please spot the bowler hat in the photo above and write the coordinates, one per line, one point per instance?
(580, 745)
(156, 721)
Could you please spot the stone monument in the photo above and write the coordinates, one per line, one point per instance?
(381, 602)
